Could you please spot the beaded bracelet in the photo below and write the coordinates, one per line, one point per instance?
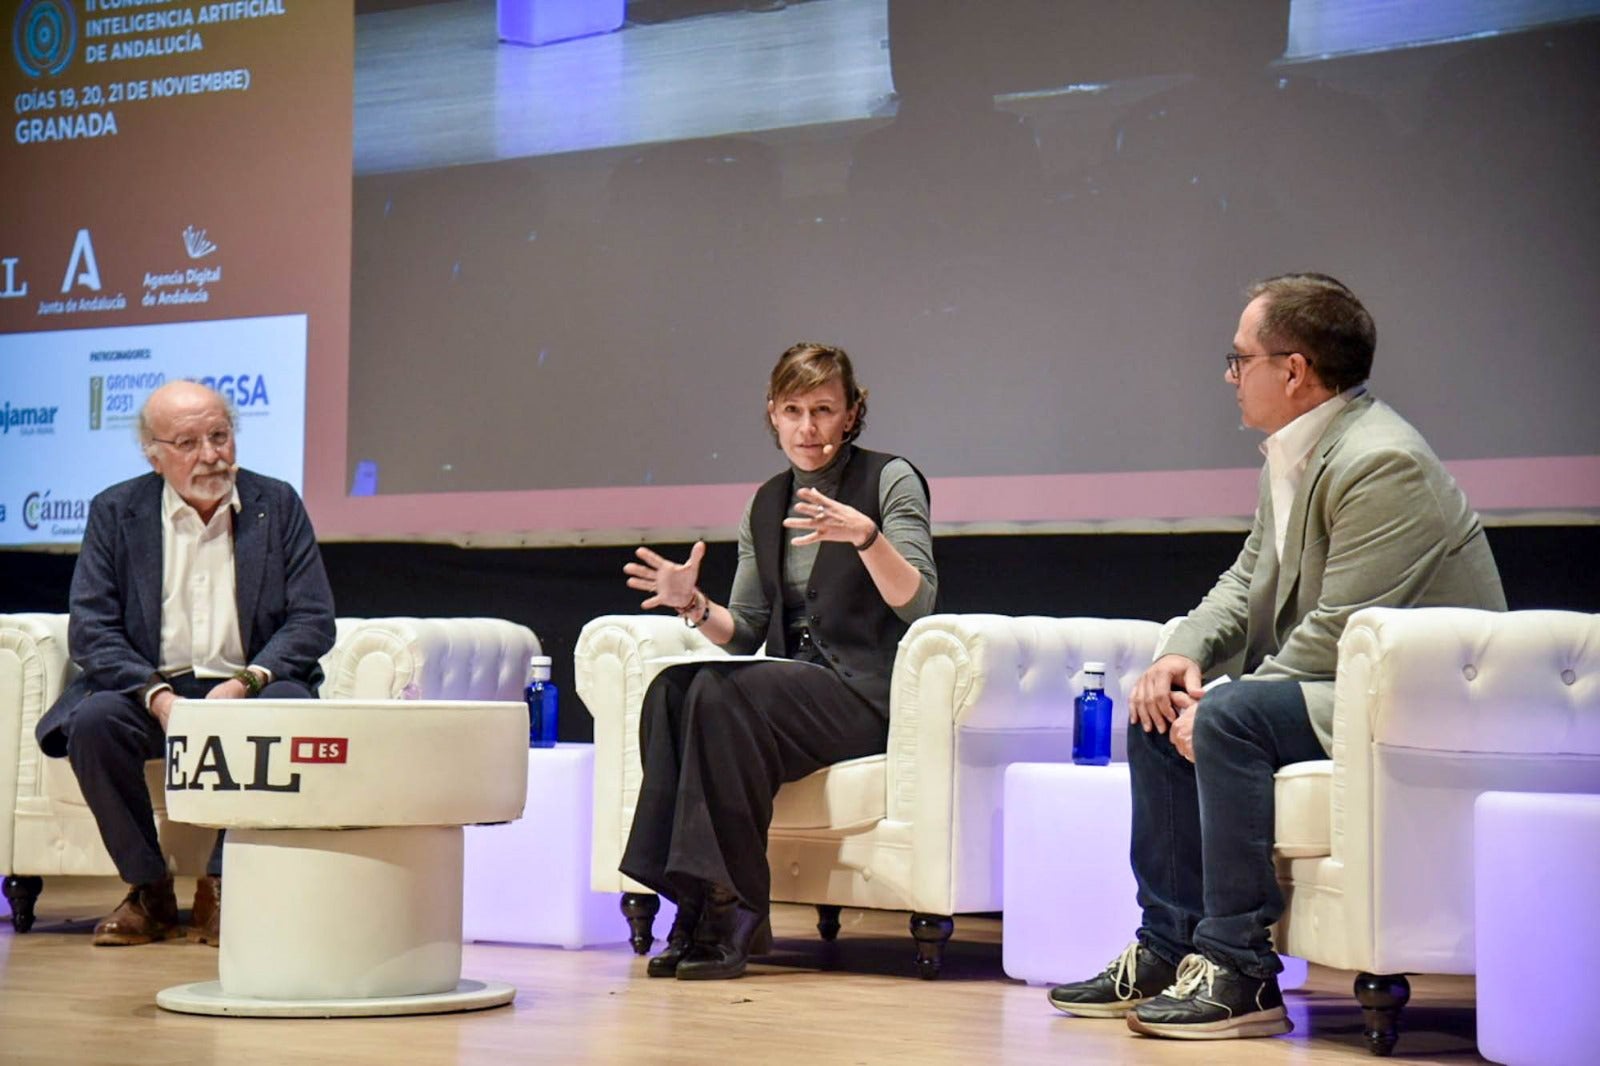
(687, 612)
(864, 545)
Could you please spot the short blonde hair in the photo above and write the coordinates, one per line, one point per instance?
(809, 365)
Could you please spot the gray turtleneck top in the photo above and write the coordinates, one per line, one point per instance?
(904, 507)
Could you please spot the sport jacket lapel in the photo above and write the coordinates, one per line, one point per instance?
(144, 544)
(249, 557)
(1294, 540)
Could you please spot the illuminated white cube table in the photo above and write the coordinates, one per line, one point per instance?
(549, 21)
(1067, 887)
(1536, 868)
(528, 882)
(343, 855)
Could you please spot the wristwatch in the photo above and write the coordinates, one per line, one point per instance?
(250, 680)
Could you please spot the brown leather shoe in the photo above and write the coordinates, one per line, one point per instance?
(149, 913)
(205, 924)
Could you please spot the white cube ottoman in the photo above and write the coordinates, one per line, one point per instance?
(1068, 889)
(1536, 874)
(528, 882)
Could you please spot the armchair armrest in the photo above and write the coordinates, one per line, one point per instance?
(430, 658)
(1433, 706)
(34, 668)
(972, 694)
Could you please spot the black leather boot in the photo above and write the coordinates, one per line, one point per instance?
(681, 938)
(728, 934)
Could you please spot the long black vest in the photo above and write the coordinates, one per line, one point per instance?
(856, 632)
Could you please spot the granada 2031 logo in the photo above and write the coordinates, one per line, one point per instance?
(44, 37)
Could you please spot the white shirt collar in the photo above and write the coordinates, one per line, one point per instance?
(1291, 446)
(173, 505)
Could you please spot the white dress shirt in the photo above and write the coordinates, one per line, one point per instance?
(1289, 450)
(199, 607)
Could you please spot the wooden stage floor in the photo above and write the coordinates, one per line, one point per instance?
(854, 1002)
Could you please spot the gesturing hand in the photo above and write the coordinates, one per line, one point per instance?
(670, 584)
(1169, 687)
(827, 519)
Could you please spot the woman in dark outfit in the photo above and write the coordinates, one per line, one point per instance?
(835, 563)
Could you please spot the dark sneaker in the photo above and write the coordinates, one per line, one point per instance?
(1212, 1002)
(1131, 978)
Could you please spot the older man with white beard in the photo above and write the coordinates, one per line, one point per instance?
(197, 581)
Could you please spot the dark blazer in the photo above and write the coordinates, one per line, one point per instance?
(857, 633)
(114, 634)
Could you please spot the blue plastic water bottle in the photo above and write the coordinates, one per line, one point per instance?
(1091, 728)
(543, 703)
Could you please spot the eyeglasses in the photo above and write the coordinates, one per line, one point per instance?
(219, 439)
(1236, 361)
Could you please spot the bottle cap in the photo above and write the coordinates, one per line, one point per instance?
(1094, 668)
(539, 668)
(539, 660)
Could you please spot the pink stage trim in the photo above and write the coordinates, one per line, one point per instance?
(1548, 483)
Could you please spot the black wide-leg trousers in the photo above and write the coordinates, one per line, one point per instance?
(716, 741)
(110, 736)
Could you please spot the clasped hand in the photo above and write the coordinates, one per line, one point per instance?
(1165, 699)
(827, 519)
(161, 703)
(670, 584)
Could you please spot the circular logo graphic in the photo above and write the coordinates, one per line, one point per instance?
(44, 36)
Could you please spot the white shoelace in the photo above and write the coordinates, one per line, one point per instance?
(1123, 969)
(1194, 972)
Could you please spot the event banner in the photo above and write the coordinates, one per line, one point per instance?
(68, 424)
(183, 166)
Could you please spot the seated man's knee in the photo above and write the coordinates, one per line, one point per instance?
(1222, 715)
(100, 715)
(99, 710)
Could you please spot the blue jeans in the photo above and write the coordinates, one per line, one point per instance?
(1203, 831)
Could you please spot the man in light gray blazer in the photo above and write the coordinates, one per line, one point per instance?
(1355, 511)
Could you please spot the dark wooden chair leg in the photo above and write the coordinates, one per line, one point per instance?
(641, 908)
(1381, 996)
(828, 920)
(21, 893)
(932, 933)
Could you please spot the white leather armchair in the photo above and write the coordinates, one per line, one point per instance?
(47, 830)
(917, 828)
(1433, 706)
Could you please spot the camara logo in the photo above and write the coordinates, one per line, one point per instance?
(39, 508)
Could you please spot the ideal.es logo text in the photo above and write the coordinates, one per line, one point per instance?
(208, 769)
